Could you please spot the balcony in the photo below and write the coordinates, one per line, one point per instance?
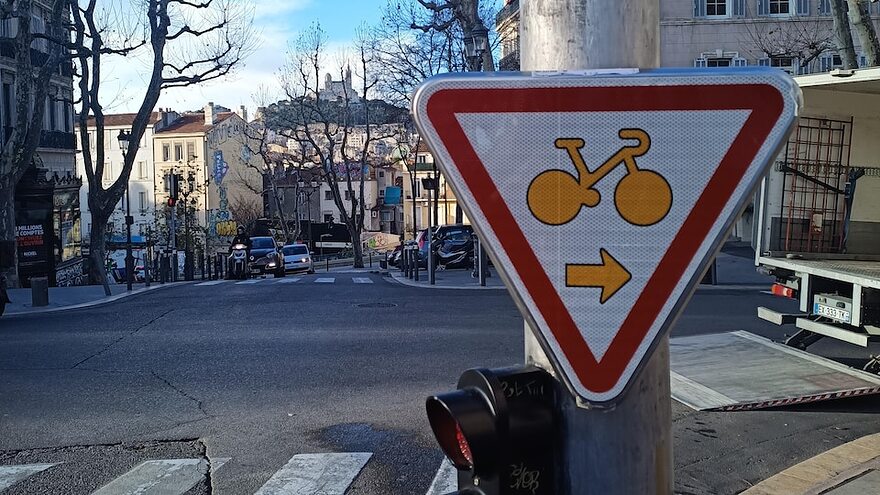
(50, 139)
(508, 11)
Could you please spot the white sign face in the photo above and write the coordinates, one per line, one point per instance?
(604, 198)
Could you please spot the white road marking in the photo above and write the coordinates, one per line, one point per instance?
(445, 481)
(362, 280)
(164, 476)
(328, 280)
(212, 282)
(288, 280)
(10, 475)
(316, 474)
(250, 282)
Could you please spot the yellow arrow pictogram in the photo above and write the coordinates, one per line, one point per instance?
(610, 276)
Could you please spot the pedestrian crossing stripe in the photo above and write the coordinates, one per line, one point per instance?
(212, 282)
(172, 476)
(10, 475)
(316, 473)
(303, 474)
(285, 280)
(289, 280)
(362, 280)
(328, 280)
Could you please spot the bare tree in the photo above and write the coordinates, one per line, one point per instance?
(860, 16)
(338, 128)
(463, 17)
(31, 86)
(187, 43)
(245, 210)
(801, 40)
(273, 168)
(843, 34)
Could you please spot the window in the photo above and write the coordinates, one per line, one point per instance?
(190, 150)
(166, 152)
(178, 151)
(108, 172)
(829, 61)
(824, 7)
(803, 7)
(347, 195)
(66, 116)
(53, 113)
(328, 195)
(863, 60)
(381, 174)
(142, 170)
(91, 140)
(716, 8)
(295, 250)
(7, 105)
(142, 201)
(719, 62)
(779, 7)
(328, 217)
(421, 159)
(386, 216)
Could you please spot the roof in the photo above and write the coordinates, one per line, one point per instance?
(856, 81)
(192, 123)
(422, 147)
(122, 119)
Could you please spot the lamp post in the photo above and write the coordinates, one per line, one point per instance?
(123, 139)
(307, 191)
(476, 43)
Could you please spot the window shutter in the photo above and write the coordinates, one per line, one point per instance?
(739, 8)
(700, 62)
(824, 7)
(763, 7)
(803, 7)
(699, 8)
(740, 62)
(764, 62)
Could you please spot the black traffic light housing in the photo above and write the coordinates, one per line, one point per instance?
(498, 430)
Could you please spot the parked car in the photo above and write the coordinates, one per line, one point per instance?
(457, 231)
(265, 257)
(393, 257)
(297, 258)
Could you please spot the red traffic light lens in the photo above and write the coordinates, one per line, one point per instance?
(449, 435)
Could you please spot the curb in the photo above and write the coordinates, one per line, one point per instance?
(825, 471)
(400, 279)
(89, 304)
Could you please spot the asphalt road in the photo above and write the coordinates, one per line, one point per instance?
(259, 373)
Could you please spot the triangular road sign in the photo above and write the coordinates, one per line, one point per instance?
(603, 198)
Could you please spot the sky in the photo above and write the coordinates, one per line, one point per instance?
(277, 22)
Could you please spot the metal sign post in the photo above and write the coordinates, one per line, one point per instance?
(611, 212)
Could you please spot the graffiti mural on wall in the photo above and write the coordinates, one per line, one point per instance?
(72, 273)
(219, 219)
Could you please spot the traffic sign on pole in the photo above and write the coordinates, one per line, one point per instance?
(603, 197)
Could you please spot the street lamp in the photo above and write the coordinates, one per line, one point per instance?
(476, 43)
(312, 187)
(124, 138)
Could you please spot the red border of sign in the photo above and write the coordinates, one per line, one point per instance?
(765, 103)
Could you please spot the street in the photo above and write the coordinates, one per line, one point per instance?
(244, 376)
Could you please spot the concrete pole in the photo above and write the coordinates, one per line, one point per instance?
(626, 449)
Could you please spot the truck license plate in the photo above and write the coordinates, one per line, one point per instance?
(832, 312)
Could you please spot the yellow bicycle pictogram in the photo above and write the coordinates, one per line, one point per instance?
(642, 197)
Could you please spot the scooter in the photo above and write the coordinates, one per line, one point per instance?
(455, 254)
(238, 263)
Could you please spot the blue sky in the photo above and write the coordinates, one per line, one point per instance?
(278, 22)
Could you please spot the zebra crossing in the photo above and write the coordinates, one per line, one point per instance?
(303, 474)
(287, 280)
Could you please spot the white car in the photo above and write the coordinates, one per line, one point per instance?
(297, 258)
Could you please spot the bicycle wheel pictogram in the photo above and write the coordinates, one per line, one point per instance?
(642, 197)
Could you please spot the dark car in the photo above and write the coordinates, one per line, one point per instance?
(439, 237)
(265, 257)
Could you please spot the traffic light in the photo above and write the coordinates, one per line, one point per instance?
(498, 430)
(172, 185)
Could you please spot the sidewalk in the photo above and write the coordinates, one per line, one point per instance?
(850, 469)
(450, 279)
(72, 297)
(733, 272)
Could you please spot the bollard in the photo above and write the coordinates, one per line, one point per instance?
(416, 262)
(371, 259)
(39, 291)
